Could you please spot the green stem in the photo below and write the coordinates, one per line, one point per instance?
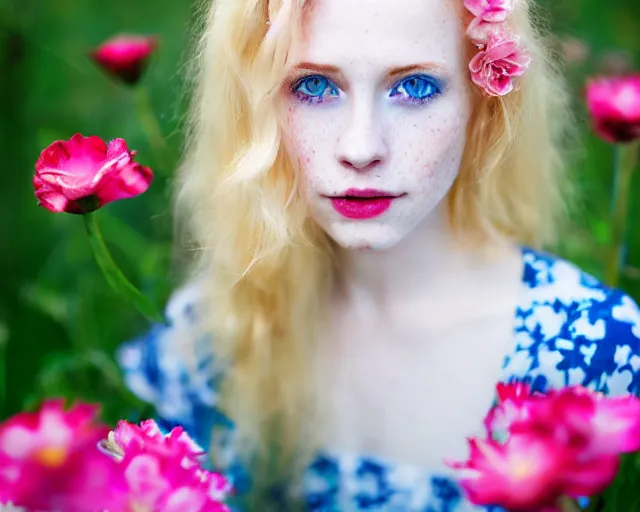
(624, 163)
(114, 275)
(151, 127)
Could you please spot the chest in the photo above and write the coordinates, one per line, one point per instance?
(411, 391)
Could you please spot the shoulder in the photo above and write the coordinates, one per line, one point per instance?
(172, 368)
(572, 329)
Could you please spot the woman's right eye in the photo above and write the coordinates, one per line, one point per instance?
(315, 89)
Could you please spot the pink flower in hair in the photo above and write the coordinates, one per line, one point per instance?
(490, 16)
(495, 67)
(495, 11)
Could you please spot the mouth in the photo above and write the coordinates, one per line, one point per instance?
(363, 203)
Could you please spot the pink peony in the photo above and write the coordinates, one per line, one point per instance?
(495, 67)
(614, 105)
(83, 174)
(41, 452)
(163, 472)
(50, 461)
(125, 57)
(543, 446)
(523, 474)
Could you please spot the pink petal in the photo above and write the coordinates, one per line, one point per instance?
(123, 183)
(490, 8)
(616, 424)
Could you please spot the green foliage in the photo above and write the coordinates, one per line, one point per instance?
(59, 320)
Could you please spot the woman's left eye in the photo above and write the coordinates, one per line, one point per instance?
(418, 88)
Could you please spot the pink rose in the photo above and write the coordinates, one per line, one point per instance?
(614, 105)
(495, 67)
(83, 174)
(125, 57)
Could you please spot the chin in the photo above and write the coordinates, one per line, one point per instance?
(360, 237)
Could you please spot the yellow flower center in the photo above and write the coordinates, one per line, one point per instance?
(51, 456)
(522, 469)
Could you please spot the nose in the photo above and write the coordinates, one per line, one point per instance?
(361, 146)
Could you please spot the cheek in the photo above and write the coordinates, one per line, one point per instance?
(307, 141)
(435, 154)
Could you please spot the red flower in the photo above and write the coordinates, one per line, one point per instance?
(125, 57)
(83, 174)
(614, 105)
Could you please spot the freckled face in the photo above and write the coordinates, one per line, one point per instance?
(376, 109)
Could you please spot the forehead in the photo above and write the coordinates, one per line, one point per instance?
(379, 31)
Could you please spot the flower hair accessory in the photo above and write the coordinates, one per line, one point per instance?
(500, 58)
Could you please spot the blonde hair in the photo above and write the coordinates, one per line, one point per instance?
(266, 267)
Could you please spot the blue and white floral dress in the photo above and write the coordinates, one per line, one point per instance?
(569, 329)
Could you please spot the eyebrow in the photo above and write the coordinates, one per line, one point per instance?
(391, 73)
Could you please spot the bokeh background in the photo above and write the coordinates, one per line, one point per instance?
(59, 322)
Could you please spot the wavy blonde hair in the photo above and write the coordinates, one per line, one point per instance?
(267, 268)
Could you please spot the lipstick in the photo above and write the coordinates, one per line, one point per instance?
(363, 203)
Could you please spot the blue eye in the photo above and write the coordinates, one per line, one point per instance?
(417, 88)
(315, 89)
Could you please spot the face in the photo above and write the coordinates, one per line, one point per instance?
(377, 104)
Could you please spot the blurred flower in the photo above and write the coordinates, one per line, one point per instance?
(41, 451)
(614, 105)
(83, 174)
(520, 475)
(125, 56)
(574, 50)
(54, 460)
(543, 446)
(596, 424)
(163, 472)
(514, 405)
(149, 436)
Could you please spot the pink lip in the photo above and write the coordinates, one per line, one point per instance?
(363, 203)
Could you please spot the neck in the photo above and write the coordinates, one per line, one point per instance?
(427, 263)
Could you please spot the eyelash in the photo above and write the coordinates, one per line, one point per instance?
(434, 86)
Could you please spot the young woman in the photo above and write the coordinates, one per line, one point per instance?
(366, 187)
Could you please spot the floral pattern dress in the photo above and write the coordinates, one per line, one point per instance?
(569, 329)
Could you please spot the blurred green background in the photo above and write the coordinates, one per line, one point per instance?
(59, 323)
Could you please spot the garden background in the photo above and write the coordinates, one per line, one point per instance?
(59, 321)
